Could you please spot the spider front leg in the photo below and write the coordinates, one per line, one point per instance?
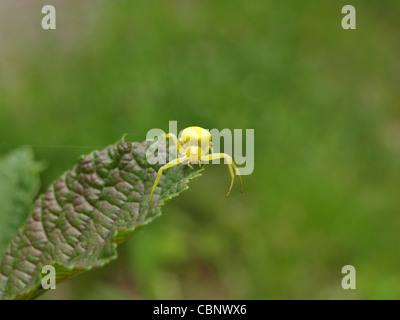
(160, 172)
(179, 147)
(231, 167)
(176, 142)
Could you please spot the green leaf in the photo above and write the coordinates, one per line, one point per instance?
(19, 184)
(78, 223)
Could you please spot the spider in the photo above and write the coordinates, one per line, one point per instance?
(194, 146)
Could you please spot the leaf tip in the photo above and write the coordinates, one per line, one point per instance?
(124, 136)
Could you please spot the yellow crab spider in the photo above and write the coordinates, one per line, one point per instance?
(194, 146)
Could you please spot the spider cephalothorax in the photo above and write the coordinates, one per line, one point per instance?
(194, 146)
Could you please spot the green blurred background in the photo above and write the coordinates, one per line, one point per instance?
(324, 103)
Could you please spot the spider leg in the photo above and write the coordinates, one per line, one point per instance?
(177, 143)
(238, 173)
(160, 172)
(190, 166)
(231, 166)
